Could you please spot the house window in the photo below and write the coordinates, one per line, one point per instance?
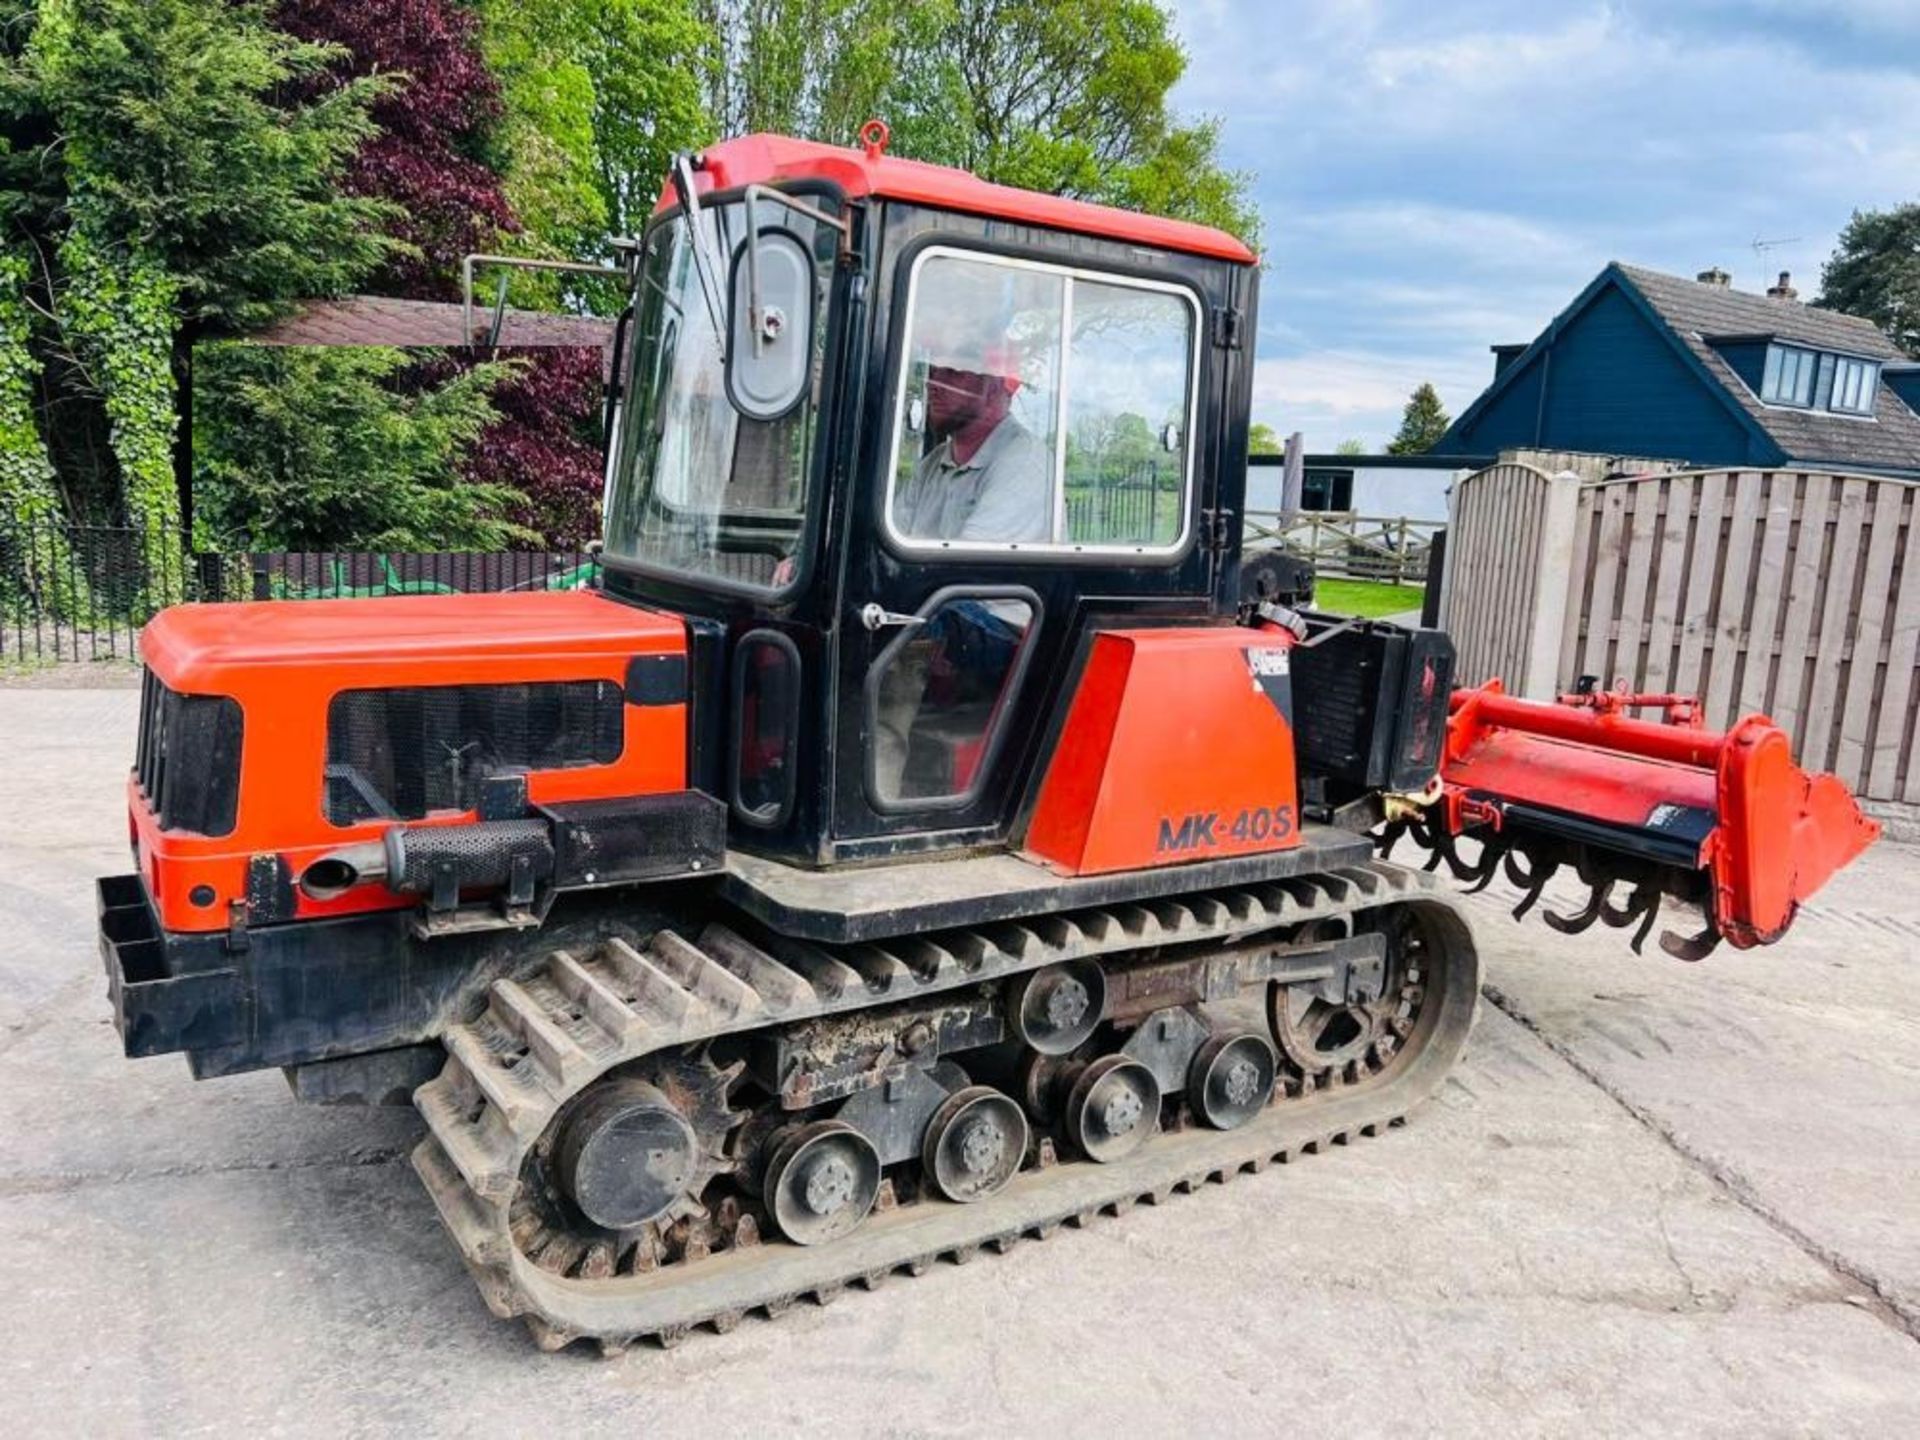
(1854, 383)
(1326, 490)
(1789, 376)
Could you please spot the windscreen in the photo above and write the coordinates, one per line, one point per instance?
(698, 488)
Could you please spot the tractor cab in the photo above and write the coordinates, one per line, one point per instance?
(895, 441)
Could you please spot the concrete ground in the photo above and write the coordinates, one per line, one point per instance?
(1657, 1198)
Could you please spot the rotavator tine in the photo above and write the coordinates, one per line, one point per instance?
(1388, 836)
(1442, 844)
(1481, 870)
(1574, 924)
(1486, 879)
(1535, 871)
(1532, 897)
(1621, 916)
(1647, 899)
(1691, 947)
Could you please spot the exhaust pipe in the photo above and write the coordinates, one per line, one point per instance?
(418, 859)
(331, 876)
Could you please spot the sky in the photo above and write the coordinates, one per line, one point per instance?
(1439, 176)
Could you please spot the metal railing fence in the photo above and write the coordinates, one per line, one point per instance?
(80, 593)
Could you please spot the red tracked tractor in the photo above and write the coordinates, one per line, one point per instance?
(926, 835)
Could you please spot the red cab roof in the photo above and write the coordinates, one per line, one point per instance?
(776, 159)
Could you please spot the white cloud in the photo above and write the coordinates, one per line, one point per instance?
(1439, 178)
(1334, 395)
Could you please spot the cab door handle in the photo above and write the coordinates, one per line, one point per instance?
(876, 616)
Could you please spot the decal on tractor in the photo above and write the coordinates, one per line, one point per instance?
(1196, 832)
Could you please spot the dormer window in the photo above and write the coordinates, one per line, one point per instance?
(1816, 380)
(1789, 376)
(1854, 384)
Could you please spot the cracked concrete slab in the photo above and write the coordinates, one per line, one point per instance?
(1559, 1243)
(1792, 1073)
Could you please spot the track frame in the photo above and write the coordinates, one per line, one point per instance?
(548, 1033)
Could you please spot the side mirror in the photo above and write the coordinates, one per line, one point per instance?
(770, 324)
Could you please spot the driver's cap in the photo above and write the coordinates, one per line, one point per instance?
(964, 315)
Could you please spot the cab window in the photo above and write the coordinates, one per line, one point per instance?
(1042, 407)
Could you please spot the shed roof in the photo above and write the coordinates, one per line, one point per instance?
(382, 320)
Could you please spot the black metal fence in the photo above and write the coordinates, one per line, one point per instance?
(1142, 510)
(77, 593)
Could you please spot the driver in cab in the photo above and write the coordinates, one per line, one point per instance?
(984, 476)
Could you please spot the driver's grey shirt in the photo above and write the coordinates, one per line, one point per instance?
(1003, 493)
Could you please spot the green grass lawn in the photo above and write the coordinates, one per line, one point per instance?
(1365, 598)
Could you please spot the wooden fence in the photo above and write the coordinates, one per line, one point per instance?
(1360, 547)
(1793, 593)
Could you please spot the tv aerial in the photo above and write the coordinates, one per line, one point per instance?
(1760, 247)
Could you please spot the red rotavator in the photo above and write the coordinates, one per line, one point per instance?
(1725, 821)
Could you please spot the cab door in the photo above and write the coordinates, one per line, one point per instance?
(1063, 479)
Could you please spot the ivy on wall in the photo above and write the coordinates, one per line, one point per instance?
(44, 578)
(26, 475)
(118, 314)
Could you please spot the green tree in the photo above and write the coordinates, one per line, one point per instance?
(1875, 272)
(165, 166)
(1421, 424)
(1063, 96)
(1351, 447)
(1263, 439)
(338, 448)
(203, 139)
(809, 67)
(598, 96)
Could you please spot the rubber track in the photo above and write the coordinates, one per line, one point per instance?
(546, 1035)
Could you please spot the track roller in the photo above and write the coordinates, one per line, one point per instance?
(1113, 1107)
(974, 1144)
(822, 1182)
(1232, 1079)
(1056, 1009)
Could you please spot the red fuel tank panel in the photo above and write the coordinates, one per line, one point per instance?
(1178, 745)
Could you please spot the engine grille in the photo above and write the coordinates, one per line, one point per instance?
(187, 758)
(400, 754)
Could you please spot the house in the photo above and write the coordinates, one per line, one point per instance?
(1643, 363)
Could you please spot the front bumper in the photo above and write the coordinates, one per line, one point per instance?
(311, 990)
(158, 1005)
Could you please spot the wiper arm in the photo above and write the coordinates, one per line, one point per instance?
(706, 266)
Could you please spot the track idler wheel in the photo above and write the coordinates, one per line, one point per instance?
(1113, 1107)
(626, 1154)
(821, 1182)
(1232, 1080)
(974, 1144)
(1055, 1010)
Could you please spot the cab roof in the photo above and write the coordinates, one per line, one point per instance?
(764, 159)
